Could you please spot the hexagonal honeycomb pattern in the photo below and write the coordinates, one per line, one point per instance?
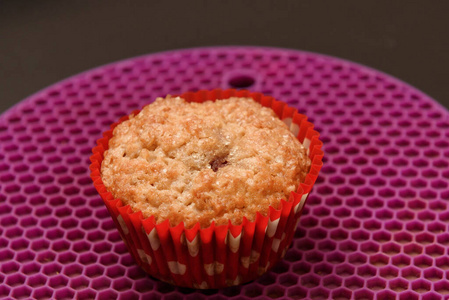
(375, 226)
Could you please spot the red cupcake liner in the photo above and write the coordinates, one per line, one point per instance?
(216, 256)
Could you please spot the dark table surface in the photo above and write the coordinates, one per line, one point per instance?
(42, 42)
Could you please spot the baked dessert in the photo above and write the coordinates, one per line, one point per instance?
(201, 162)
(168, 172)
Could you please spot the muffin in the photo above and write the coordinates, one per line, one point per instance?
(206, 189)
(215, 161)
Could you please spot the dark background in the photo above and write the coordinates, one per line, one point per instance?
(42, 42)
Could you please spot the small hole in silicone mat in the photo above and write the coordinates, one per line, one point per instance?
(241, 81)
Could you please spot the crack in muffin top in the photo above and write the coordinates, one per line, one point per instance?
(201, 162)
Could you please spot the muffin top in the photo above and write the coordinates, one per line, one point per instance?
(203, 162)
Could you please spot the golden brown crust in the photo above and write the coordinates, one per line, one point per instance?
(192, 162)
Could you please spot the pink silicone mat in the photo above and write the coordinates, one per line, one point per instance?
(375, 225)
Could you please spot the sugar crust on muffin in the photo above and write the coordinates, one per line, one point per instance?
(202, 162)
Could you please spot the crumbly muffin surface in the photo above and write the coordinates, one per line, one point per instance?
(214, 161)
